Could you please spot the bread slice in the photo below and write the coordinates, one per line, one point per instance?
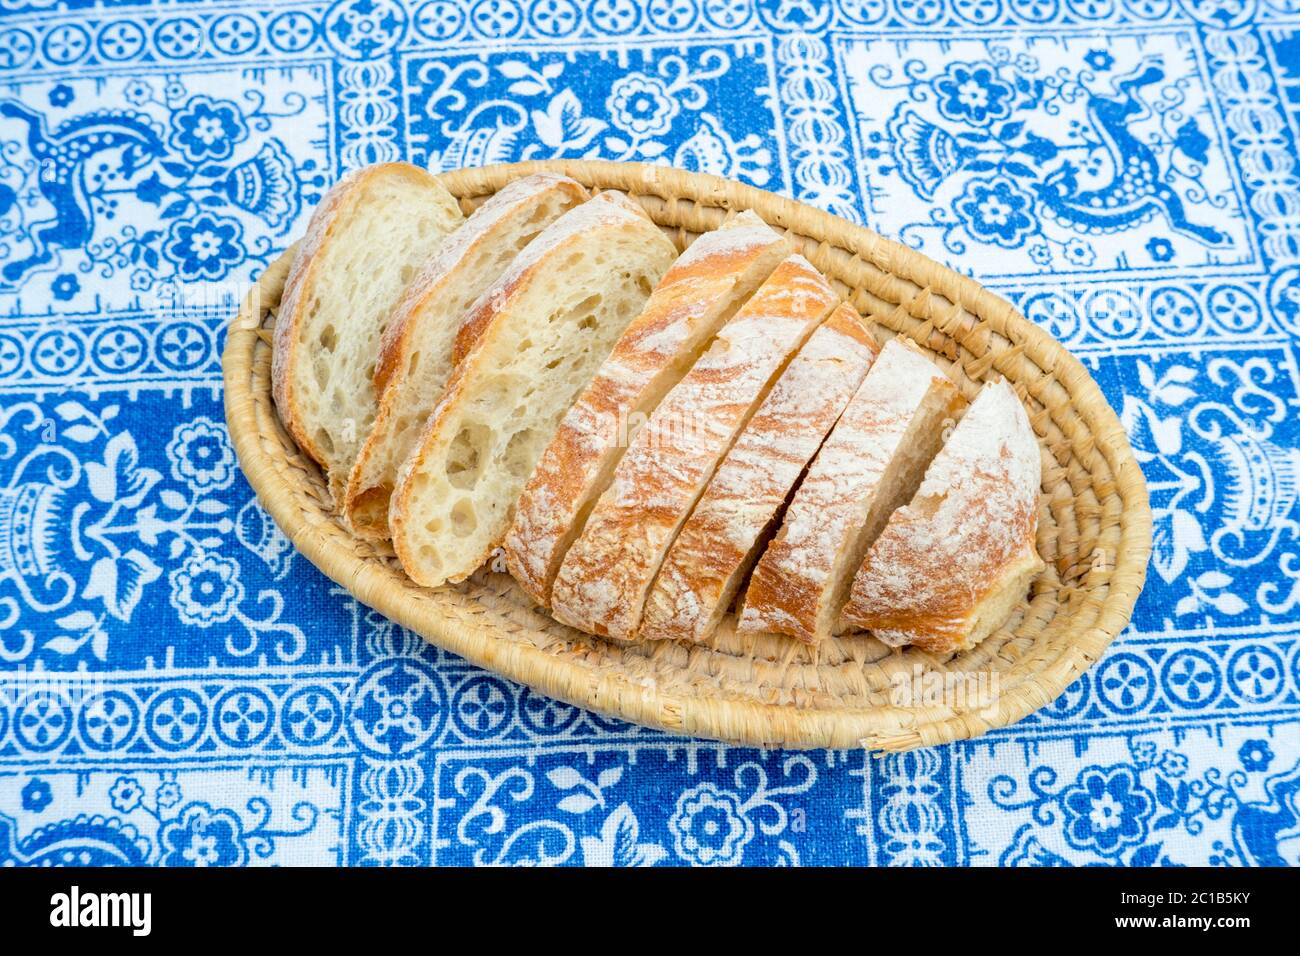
(603, 580)
(366, 241)
(554, 316)
(724, 535)
(870, 465)
(950, 566)
(704, 288)
(415, 356)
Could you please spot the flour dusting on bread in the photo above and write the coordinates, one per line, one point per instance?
(702, 289)
(730, 524)
(949, 566)
(604, 579)
(870, 464)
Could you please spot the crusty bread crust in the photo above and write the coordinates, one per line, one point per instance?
(304, 275)
(802, 579)
(425, 322)
(603, 580)
(608, 215)
(719, 543)
(950, 565)
(699, 292)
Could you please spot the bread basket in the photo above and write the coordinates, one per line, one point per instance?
(1094, 530)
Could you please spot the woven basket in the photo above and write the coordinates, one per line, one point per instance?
(1094, 531)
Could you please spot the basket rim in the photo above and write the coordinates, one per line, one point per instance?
(675, 711)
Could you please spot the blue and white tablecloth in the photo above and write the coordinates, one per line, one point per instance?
(178, 687)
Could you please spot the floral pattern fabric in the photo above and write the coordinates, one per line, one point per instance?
(179, 688)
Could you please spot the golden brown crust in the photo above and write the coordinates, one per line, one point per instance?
(722, 538)
(806, 568)
(604, 579)
(685, 309)
(367, 510)
(967, 535)
(944, 631)
(479, 319)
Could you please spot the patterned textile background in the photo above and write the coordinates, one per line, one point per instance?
(179, 688)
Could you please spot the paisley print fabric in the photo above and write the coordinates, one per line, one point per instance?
(178, 688)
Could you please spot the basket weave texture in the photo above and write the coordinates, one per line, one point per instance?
(1094, 527)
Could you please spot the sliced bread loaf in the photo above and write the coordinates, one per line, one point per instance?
(871, 463)
(366, 241)
(415, 356)
(704, 288)
(724, 535)
(603, 580)
(950, 566)
(554, 315)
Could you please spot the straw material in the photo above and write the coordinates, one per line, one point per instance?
(1094, 529)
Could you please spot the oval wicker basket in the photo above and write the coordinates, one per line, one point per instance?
(1094, 531)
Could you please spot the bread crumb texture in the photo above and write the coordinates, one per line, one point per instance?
(416, 354)
(364, 246)
(552, 318)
